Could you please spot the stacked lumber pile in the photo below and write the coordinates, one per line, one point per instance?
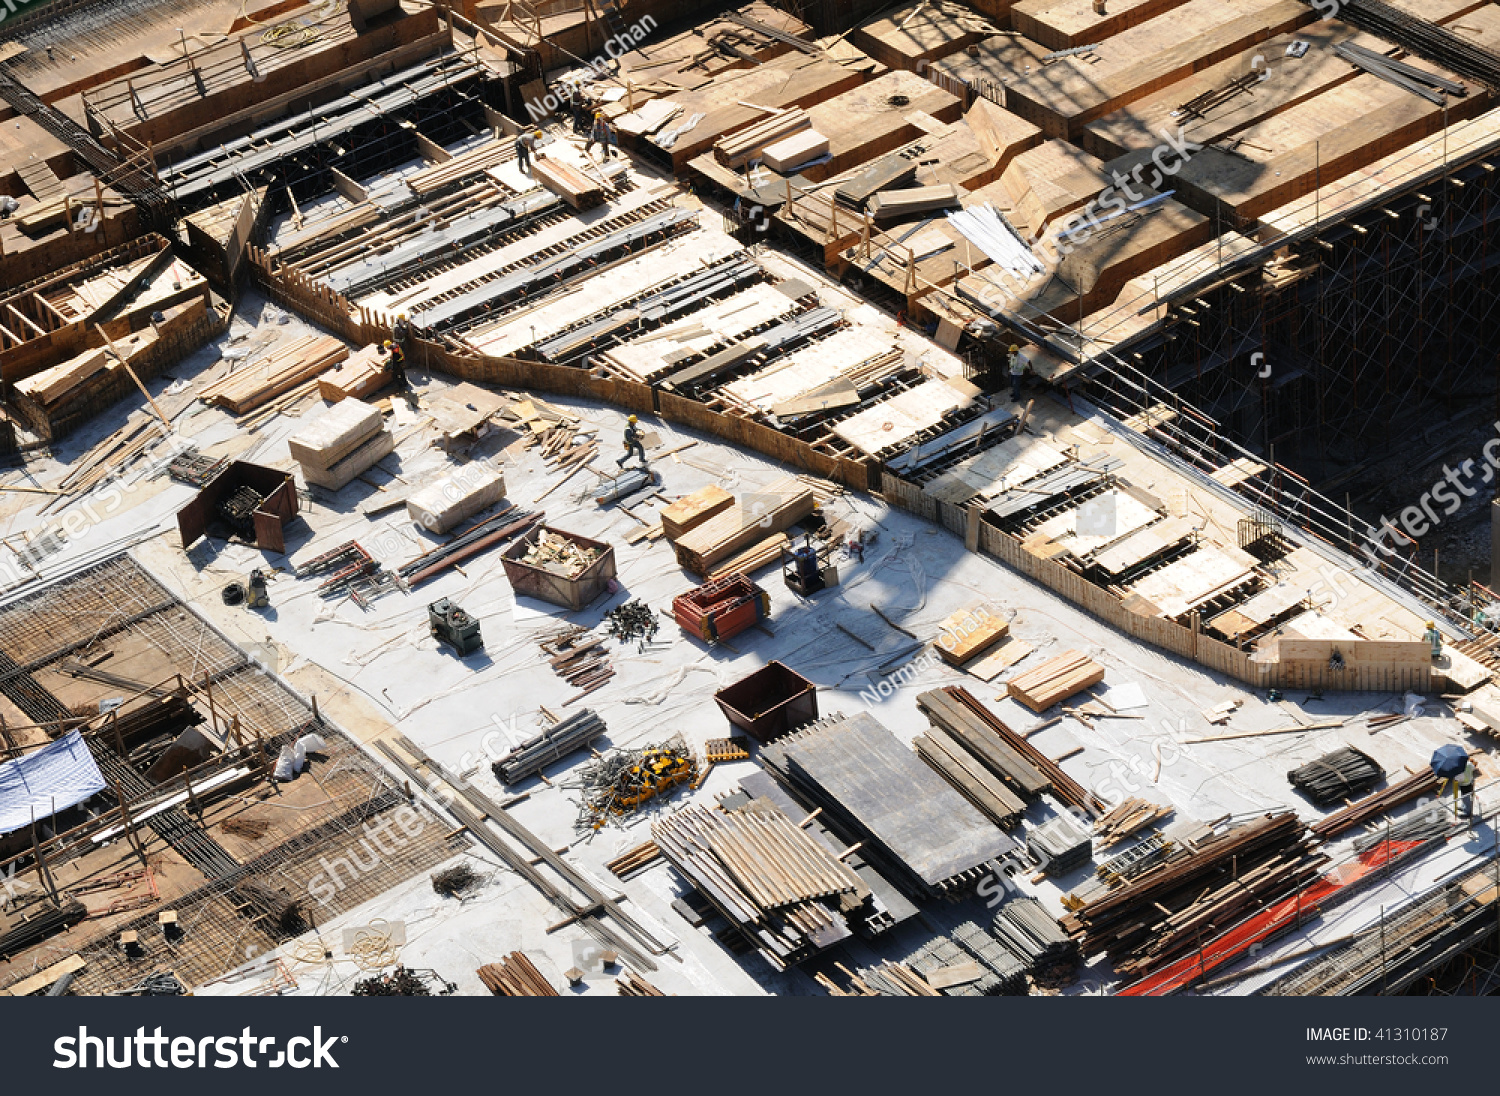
(762, 553)
(970, 778)
(476, 161)
(912, 827)
(1198, 891)
(568, 183)
(553, 744)
(970, 963)
(634, 861)
(743, 145)
(795, 151)
(579, 657)
(691, 511)
(890, 205)
(736, 528)
(341, 445)
(1055, 680)
(366, 372)
(1024, 925)
(1421, 783)
(1004, 752)
(1127, 819)
(969, 633)
(959, 725)
(631, 984)
(1337, 776)
(1061, 846)
(779, 885)
(455, 497)
(51, 386)
(515, 976)
(297, 363)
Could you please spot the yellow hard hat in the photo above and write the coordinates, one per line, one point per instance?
(1014, 348)
(388, 344)
(632, 420)
(537, 135)
(402, 316)
(1432, 624)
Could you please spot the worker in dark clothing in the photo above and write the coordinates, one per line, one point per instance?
(401, 332)
(525, 145)
(1017, 371)
(581, 115)
(634, 447)
(603, 134)
(398, 365)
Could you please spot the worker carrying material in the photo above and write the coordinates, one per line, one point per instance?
(1451, 763)
(603, 134)
(1435, 637)
(1017, 371)
(634, 446)
(525, 145)
(398, 365)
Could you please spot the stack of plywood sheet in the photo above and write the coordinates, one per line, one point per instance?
(461, 494)
(769, 511)
(743, 145)
(346, 442)
(568, 183)
(890, 204)
(295, 364)
(968, 633)
(51, 385)
(366, 372)
(793, 152)
(1055, 680)
(691, 511)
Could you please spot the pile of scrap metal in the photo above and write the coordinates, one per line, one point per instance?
(780, 887)
(619, 782)
(632, 621)
(349, 571)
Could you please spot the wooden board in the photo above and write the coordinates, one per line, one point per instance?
(988, 667)
(969, 632)
(1199, 576)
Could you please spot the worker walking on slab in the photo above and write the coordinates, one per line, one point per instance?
(1463, 790)
(580, 106)
(634, 446)
(603, 134)
(1017, 371)
(525, 146)
(1434, 637)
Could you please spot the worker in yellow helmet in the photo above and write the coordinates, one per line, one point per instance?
(398, 365)
(1017, 371)
(603, 134)
(634, 447)
(1434, 637)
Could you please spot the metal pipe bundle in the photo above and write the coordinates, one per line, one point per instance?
(553, 744)
(1337, 776)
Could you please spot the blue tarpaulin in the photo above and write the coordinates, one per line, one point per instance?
(37, 785)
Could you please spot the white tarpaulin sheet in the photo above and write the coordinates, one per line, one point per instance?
(39, 784)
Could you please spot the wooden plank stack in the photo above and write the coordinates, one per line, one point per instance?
(466, 164)
(914, 828)
(1421, 783)
(298, 362)
(969, 777)
(1127, 819)
(515, 976)
(780, 886)
(968, 633)
(631, 984)
(568, 183)
(341, 445)
(736, 528)
(367, 371)
(795, 151)
(691, 511)
(52, 385)
(1055, 680)
(459, 495)
(743, 145)
(1198, 891)
(889, 205)
(634, 861)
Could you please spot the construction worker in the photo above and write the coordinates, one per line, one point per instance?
(580, 106)
(398, 365)
(401, 331)
(525, 145)
(1463, 789)
(603, 134)
(633, 444)
(1435, 637)
(1017, 371)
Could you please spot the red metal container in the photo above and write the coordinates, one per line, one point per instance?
(721, 609)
